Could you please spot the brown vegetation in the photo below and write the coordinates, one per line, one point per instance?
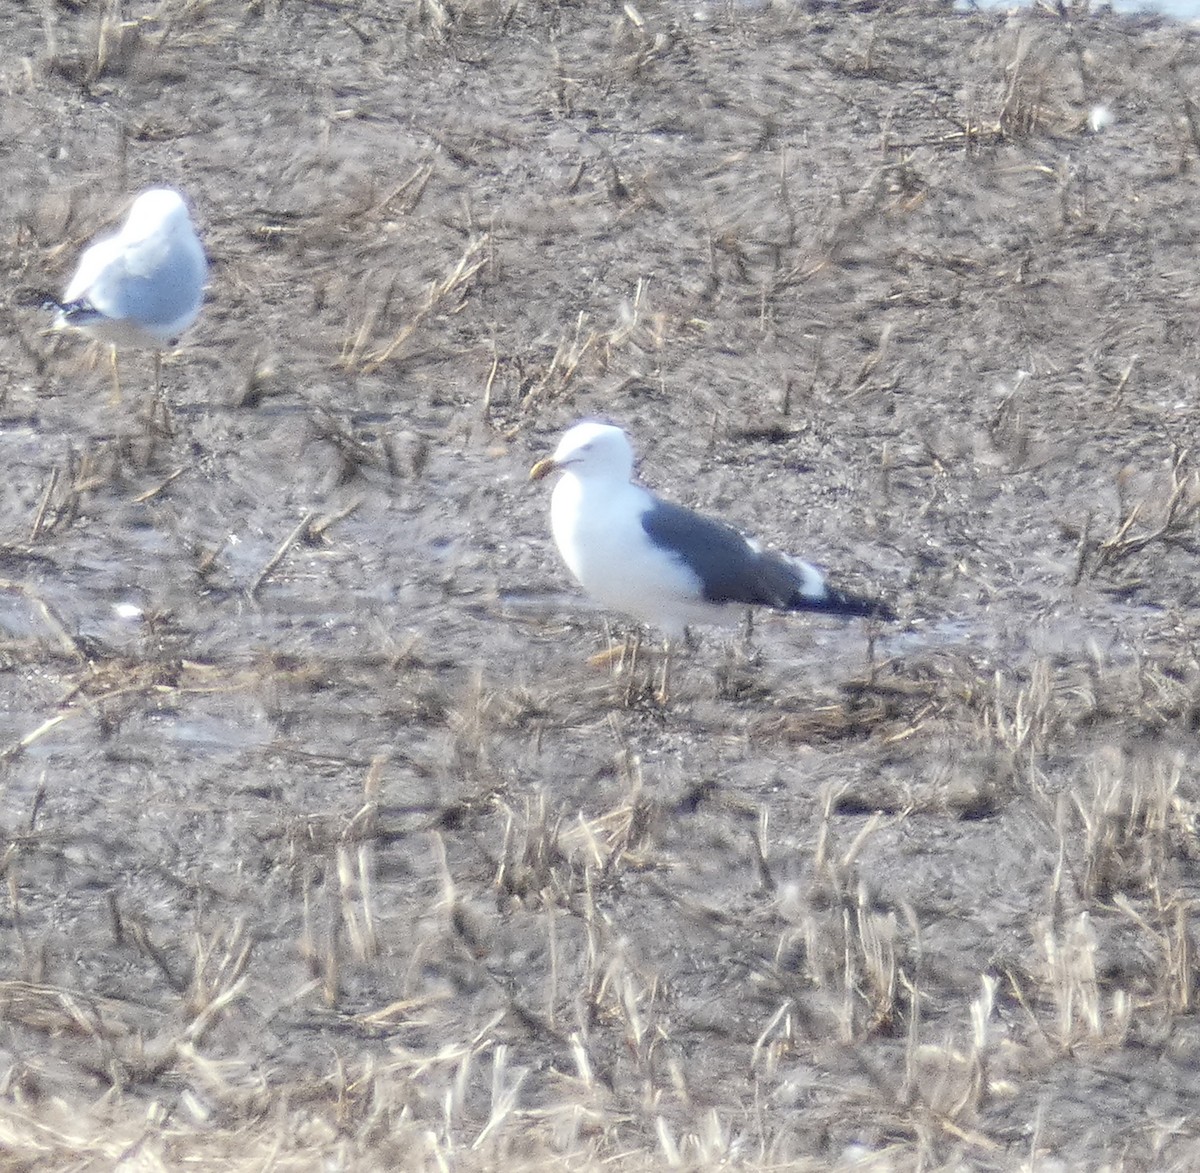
(323, 844)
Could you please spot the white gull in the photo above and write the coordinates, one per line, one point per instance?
(660, 563)
(142, 285)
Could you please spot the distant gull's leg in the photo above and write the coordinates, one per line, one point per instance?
(872, 662)
(631, 649)
(662, 693)
(631, 674)
(159, 405)
(116, 377)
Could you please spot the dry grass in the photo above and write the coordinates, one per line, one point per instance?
(446, 295)
(328, 858)
(1171, 518)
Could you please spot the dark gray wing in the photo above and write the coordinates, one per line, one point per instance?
(731, 570)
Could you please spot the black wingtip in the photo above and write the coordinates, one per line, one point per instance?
(836, 602)
(73, 311)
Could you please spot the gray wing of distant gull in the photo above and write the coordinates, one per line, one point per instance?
(732, 570)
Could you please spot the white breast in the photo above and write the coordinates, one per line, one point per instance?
(599, 534)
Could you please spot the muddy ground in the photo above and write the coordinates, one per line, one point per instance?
(324, 843)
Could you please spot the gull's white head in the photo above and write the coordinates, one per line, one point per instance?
(153, 211)
(590, 450)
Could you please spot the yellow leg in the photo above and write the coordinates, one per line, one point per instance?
(116, 378)
(631, 652)
(663, 692)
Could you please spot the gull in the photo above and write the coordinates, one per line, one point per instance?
(662, 564)
(141, 285)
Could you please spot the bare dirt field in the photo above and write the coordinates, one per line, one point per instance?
(323, 845)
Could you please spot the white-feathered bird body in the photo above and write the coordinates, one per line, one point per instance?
(659, 562)
(599, 533)
(144, 284)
